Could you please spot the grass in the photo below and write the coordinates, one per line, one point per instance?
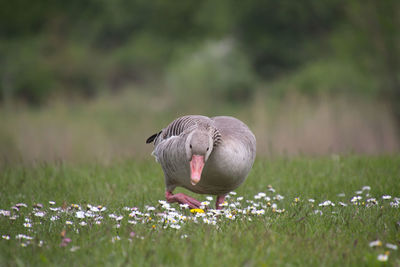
(297, 236)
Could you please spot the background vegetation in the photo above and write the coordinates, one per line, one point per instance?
(92, 80)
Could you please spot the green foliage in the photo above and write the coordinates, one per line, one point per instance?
(82, 48)
(217, 71)
(326, 77)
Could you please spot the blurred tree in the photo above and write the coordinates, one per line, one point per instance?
(373, 43)
(276, 33)
(82, 47)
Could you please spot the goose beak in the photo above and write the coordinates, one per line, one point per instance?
(196, 167)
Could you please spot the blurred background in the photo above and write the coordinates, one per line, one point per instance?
(91, 80)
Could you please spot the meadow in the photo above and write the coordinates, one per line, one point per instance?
(302, 211)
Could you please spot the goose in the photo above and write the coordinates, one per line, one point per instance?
(204, 155)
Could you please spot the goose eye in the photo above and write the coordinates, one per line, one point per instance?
(208, 148)
(190, 146)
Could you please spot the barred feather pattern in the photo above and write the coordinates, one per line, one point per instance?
(188, 123)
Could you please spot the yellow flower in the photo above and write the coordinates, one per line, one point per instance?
(154, 227)
(197, 211)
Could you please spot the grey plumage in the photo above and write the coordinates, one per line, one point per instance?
(229, 157)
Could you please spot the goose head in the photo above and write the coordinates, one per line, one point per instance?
(199, 146)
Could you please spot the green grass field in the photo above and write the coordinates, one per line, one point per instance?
(257, 227)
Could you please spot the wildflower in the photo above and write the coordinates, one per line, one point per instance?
(52, 202)
(54, 218)
(296, 199)
(162, 202)
(115, 238)
(54, 209)
(262, 194)
(6, 237)
(355, 199)
(260, 212)
(38, 206)
(184, 206)
(207, 221)
(27, 225)
(376, 243)
(19, 205)
(342, 204)
(80, 214)
(311, 200)
(22, 236)
(205, 203)
(74, 248)
(279, 197)
(271, 189)
(358, 192)
(40, 214)
(230, 216)
(391, 246)
(69, 222)
(386, 197)
(318, 212)
(132, 222)
(83, 223)
(393, 204)
(326, 203)
(383, 257)
(209, 198)
(65, 241)
(184, 236)
(175, 226)
(239, 198)
(224, 204)
(151, 208)
(153, 226)
(197, 211)
(89, 214)
(94, 209)
(366, 188)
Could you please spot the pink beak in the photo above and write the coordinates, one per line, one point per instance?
(196, 167)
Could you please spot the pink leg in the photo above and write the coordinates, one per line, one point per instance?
(182, 199)
(220, 200)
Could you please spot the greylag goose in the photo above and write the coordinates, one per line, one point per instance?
(204, 155)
